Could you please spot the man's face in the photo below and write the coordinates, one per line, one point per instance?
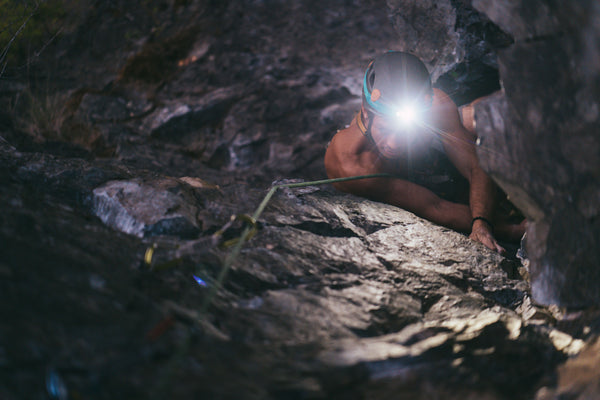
(404, 131)
(395, 139)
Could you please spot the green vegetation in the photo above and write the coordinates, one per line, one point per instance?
(41, 110)
(42, 117)
(52, 117)
(26, 27)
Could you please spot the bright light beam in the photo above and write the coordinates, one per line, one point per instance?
(406, 115)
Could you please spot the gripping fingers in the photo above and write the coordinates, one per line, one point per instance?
(487, 240)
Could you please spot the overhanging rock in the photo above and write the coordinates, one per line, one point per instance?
(540, 142)
(456, 42)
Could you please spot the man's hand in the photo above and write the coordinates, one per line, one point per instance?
(481, 233)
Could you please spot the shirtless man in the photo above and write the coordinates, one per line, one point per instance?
(413, 131)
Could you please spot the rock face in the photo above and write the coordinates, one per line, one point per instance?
(539, 138)
(225, 86)
(142, 210)
(540, 142)
(427, 28)
(172, 117)
(335, 297)
(456, 42)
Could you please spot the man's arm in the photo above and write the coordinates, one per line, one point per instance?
(414, 198)
(342, 160)
(394, 191)
(482, 201)
(420, 201)
(459, 145)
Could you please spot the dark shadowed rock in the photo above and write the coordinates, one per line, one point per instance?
(339, 295)
(578, 377)
(172, 122)
(111, 257)
(539, 140)
(457, 43)
(427, 28)
(531, 19)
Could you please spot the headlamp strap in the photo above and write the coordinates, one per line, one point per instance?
(361, 125)
(371, 119)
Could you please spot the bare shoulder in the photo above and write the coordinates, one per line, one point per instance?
(441, 99)
(344, 140)
(347, 154)
(349, 140)
(444, 111)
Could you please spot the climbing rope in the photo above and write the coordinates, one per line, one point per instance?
(237, 243)
(250, 230)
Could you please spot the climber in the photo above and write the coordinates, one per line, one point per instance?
(416, 132)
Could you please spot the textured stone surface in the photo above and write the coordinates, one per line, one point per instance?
(198, 107)
(531, 19)
(427, 28)
(539, 139)
(146, 210)
(335, 296)
(457, 43)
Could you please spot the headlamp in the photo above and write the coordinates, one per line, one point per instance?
(406, 115)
